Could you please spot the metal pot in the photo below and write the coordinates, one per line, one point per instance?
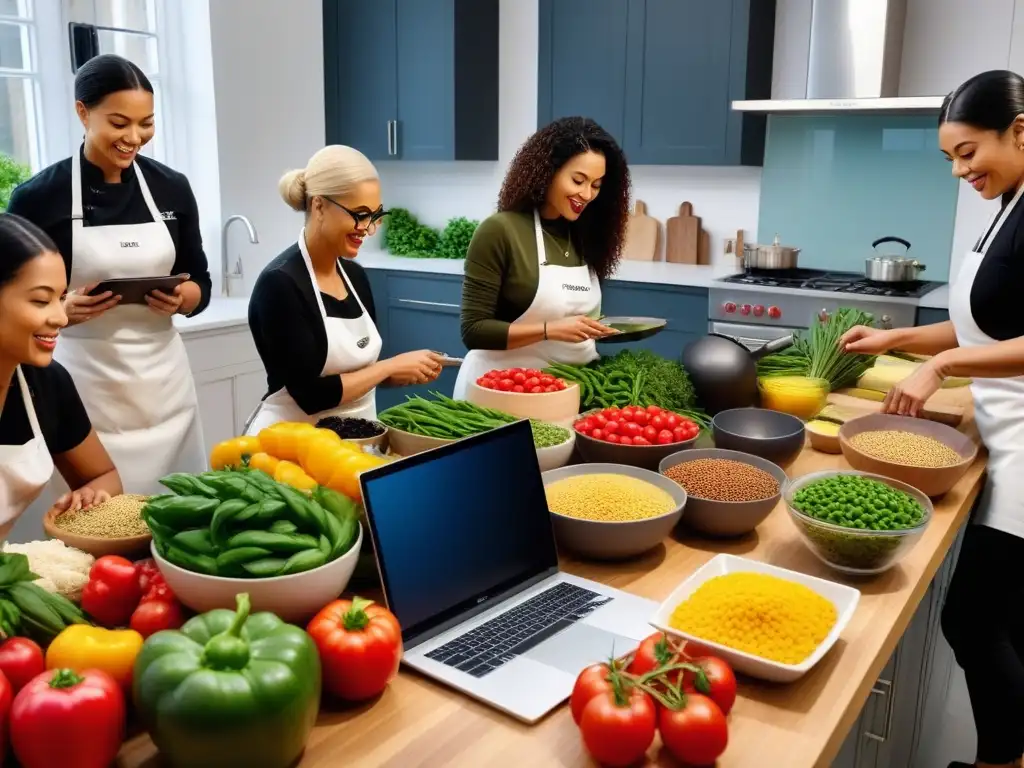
(724, 372)
(892, 268)
(774, 256)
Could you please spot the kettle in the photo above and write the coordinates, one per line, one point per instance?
(724, 372)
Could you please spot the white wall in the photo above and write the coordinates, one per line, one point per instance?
(268, 75)
(268, 78)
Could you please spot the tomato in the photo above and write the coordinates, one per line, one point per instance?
(611, 438)
(650, 434)
(634, 430)
(671, 420)
(518, 388)
(696, 734)
(6, 699)
(618, 735)
(679, 435)
(505, 385)
(550, 388)
(536, 390)
(657, 421)
(625, 440)
(653, 651)
(360, 646)
(694, 650)
(720, 678)
(532, 372)
(665, 437)
(599, 419)
(611, 427)
(487, 383)
(641, 440)
(590, 423)
(597, 434)
(20, 661)
(519, 378)
(112, 591)
(560, 385)
(612, 414)
(653, 410)
(531, 382)
(640, 417)
(628, 413)
(86, 709)
(147, 573)
(589, 683)
(546, 380)
(156, 615)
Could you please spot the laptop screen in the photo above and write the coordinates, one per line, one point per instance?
(458, 525)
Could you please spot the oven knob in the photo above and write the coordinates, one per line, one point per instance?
(885, 323)
(729, 307)
(758, 310)
(774, 313)
(745, 309)
(823, 315)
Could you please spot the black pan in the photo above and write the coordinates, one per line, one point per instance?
(631, 328)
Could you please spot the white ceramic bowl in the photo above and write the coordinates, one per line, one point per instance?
(557, 407)
(556, 456)
(295, 598)
(844, 598)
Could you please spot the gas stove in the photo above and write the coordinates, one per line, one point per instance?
(836, 282)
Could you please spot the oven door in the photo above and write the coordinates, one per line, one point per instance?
(751, 336)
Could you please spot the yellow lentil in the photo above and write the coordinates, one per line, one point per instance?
(906, 448)
(763, 615)
(120, 517)
(608, 498)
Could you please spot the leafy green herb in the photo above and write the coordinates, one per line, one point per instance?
(12, 173)
(405, 236)
(665, 382)
(455, 238)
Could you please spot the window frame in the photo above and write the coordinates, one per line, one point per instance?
(27, 20)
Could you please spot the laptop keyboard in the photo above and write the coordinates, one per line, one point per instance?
(514, 632)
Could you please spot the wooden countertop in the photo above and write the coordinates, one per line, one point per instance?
(800, 725)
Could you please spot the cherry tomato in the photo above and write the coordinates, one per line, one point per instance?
(641, 440)
(536, 390)
(518, 388)
(611, 427)
(546, 379)
(665, 437)
(634, 430)
(650, 434)
(550, 388)
(505, 385)
(560, 385)
(625, 439)
(680, 435)
(156, 615)
(597, 434)
(20, 661)
(519, 378)
(627, 413)
(694, 650)
(612, 414)
(599, 419)
(590, 682)
(657, 421)
(532, 372)
(589, 421)
(640, 417)
(671, 420)
(650, 654)
(653, 410)
(720, 678)
(612, 438)
(618, 735)
(531, 382)
(696, 734)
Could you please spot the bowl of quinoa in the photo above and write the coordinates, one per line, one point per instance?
(113, 527)
(729, 493)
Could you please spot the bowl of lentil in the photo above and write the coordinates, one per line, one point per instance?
(113, 527)
(611, 511)
(729, 493)
(930, 456)
(855, 522)
(772, 435)
(767, 622)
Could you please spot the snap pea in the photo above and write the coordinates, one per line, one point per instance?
(249, 512)
(198, 541)
(276, 542)
(283, 526)
(197, 563)
(183, 511)
(231, 559)
(265, 567)
(225, 512)
(307, 514)
(325, 546)
(335, 503)
(306, 560)
(347, 535)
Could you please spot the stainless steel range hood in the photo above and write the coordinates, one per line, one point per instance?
(853, 62)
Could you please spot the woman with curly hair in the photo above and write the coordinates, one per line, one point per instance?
(532, 287)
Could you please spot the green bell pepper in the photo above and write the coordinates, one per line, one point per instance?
(229, 690)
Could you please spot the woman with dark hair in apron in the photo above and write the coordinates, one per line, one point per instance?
(116, 214)
(981, 132)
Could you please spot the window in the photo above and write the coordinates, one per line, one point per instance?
(20, 136)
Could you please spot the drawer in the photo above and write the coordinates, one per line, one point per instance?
(220, 349)
(428, 290)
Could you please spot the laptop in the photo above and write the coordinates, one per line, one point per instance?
(467, 558)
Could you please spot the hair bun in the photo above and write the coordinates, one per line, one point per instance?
(293, 189)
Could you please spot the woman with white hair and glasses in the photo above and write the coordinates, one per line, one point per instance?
(311, 312)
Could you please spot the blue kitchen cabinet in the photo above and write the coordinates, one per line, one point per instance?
(412, 79)
(685, 308)
(931, 315)
(666, 78)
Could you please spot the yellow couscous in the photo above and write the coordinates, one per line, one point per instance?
(607, 497)
(759, 614)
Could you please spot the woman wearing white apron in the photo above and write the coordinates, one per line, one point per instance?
(981, 131)
(532, 291)
(311, 312)
(43, 424)
(114, 214)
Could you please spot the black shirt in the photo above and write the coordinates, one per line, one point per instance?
(289, 332)
(996, 290)
(62, 417)
(45, 199)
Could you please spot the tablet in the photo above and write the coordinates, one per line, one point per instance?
(133, 290)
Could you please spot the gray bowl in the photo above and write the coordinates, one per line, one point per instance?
(726, 518)
(601, 540)
(777, 437)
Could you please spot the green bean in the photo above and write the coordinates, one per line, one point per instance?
(265, 567)
(277, 542)
(198, 541)
(230, 559)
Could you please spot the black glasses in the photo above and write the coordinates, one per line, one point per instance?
(363, 219)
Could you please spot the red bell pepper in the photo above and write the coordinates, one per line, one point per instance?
(6, 697)
(112, 592)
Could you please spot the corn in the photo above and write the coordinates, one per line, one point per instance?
(888, 371)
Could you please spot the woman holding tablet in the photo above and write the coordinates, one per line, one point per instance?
(114, 214)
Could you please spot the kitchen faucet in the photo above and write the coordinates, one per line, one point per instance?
(226, 276)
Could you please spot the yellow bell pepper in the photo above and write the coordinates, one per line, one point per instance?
(264, 462)
(83, 647)
(345, 477)
(281, 440)
(233, 452)
(318, 437)
(292, 474)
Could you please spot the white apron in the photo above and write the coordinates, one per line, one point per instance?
(561, 292)
(130, 364)
(24, 469)
(998, 403)
(352, 344)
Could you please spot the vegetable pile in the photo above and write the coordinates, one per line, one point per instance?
(241, 523)
(662, 687)
(443, 417)
(521, 381)
(637, 426)
(27, 609)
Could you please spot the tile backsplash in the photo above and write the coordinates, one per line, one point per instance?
(832, 184)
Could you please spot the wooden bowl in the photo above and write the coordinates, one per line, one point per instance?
(556, 407)
(407, 444)
(97, 546)
(932, 481)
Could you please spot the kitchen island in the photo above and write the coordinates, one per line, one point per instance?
(801, 725)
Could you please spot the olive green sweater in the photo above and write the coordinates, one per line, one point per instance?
(502, 274)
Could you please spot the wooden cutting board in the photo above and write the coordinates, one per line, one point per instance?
(641, 235)
(682, 235)
(933, 411)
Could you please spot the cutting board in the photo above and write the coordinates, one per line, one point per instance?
(682, 232)
(933, 411)
(641, 235)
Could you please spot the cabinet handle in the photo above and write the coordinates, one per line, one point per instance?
(428, 303)
(391, 143)
(883, 688)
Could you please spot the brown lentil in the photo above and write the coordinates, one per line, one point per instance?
(905, 448)
(723, 480)
(608, 498)
(118, 518)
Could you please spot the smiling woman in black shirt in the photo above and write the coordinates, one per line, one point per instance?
(116, 214)
(42, 421)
